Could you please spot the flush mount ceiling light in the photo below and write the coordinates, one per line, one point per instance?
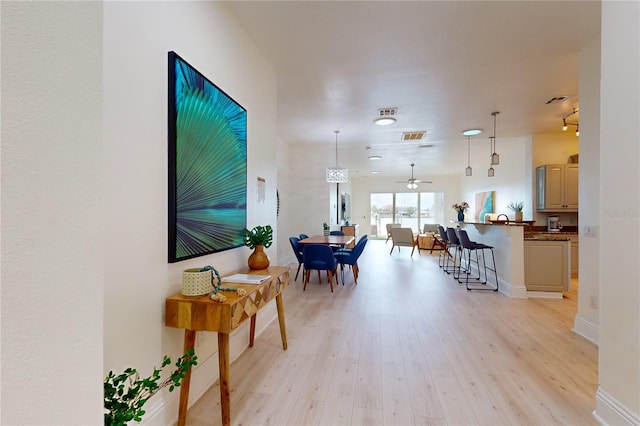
(384, 121)
(375, 157)
(375, 172)
(566, 124)
(337, 174)
(495, 158)
(471, 132)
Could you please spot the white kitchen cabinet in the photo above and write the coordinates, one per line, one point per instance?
(547, 265)
(557, 188)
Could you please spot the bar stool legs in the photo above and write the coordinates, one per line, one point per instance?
(471, 246)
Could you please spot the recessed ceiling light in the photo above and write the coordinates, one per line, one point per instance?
(375, 157)
(471, 132)
(375, 172)
(384, 121)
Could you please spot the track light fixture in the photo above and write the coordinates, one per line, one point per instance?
(566, 124)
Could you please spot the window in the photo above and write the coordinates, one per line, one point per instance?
(410, 209)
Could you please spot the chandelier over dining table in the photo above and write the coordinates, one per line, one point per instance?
(337, 174)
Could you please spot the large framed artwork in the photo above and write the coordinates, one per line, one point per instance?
(484, 204)
(207, 165)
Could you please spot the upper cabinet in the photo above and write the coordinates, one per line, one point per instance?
(557, 188)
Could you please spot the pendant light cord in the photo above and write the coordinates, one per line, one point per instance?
(336, 132)
(493, 138)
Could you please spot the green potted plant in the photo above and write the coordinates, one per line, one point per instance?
(258, 239)
(125, 394)
(517, 208)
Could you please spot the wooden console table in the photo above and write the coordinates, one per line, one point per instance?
(203, 314)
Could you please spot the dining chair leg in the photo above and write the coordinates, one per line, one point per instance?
(306, 278)
(330, 275)
(297, 272)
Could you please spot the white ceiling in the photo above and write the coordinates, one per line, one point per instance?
(445, 65)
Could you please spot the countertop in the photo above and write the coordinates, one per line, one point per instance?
(536, 233)
(547, 237)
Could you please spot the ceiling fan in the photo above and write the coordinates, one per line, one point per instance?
(412, 183)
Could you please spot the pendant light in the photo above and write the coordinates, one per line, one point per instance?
(495, 158)
(491, 172)
(337, 174)
(468, 170)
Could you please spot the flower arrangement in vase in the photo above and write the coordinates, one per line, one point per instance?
(461, 208)
(258, 239)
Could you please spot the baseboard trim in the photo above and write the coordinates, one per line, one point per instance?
(587, 329)
(513, 292)
(545, 294)
(610, 411)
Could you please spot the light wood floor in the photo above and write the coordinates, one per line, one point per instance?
(409, 345)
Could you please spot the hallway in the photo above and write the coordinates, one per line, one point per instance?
(409, 345)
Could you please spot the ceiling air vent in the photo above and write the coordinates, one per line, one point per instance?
(557, 100)
(413, 136)
(387, 112)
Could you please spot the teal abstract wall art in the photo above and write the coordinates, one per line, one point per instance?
(207, 165)
(484, 204)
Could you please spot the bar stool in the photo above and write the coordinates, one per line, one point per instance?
(453, 242)
(444, 254)
(471, 246)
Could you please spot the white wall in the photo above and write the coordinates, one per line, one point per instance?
(618, 398)
(52, 214)
(309, 193)
(137, 37)
(511, 180)
(586, 320)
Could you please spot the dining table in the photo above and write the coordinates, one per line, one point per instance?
(332, 240)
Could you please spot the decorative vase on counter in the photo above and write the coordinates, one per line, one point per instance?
(460, 216)
(518, 216)
(258, 259)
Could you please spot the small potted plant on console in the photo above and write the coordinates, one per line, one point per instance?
(258, 239)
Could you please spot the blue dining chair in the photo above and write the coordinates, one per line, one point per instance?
(351, 258)
(340, 233)
(298, 252)
(303, 236)
(319, 257)
(349, 250)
